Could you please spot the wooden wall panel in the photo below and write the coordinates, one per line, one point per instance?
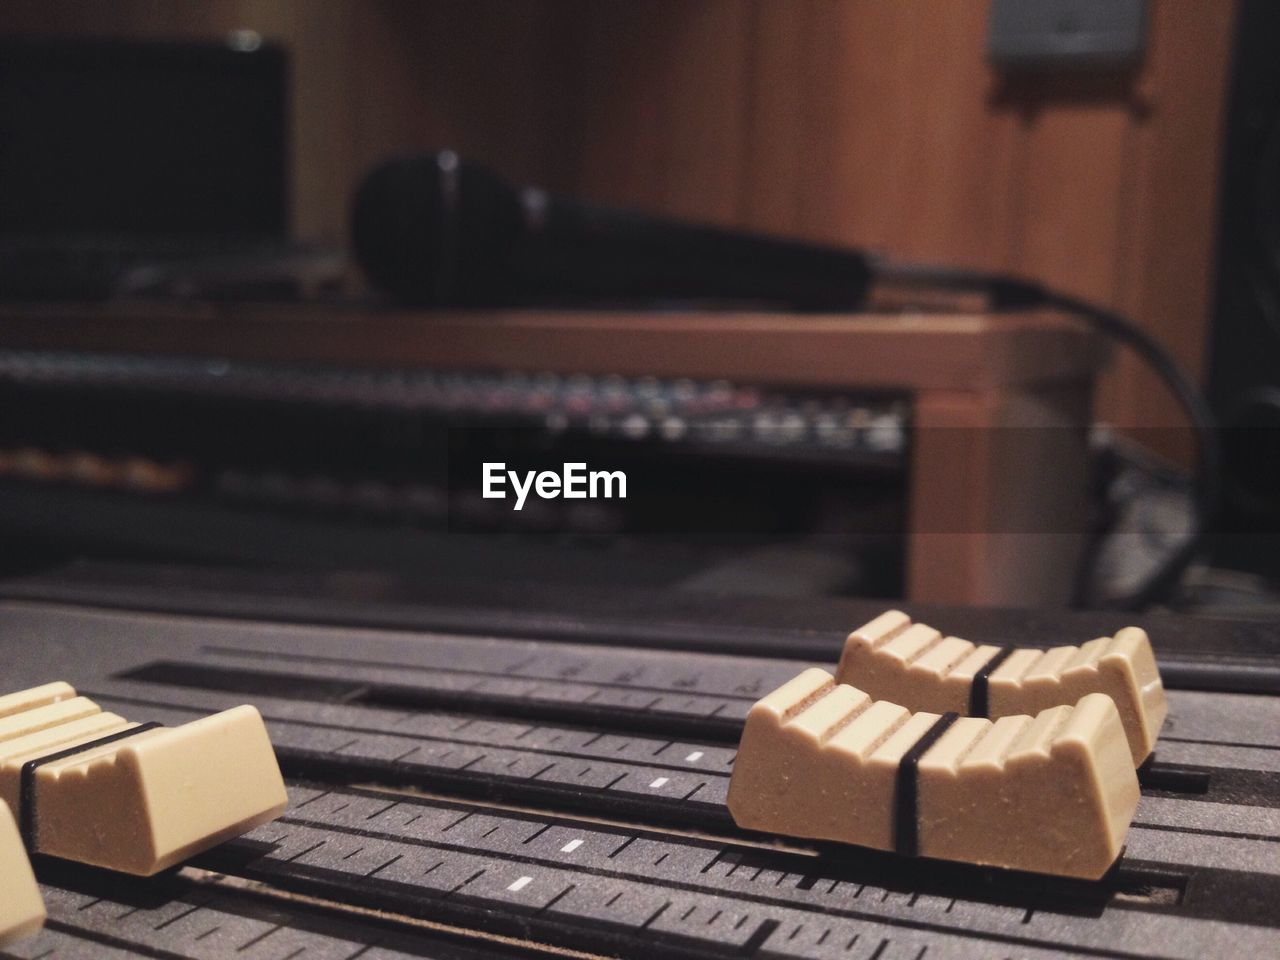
(1168, 255)
(851, 109)
(663, 102)
(781, 142)
(1074, 197)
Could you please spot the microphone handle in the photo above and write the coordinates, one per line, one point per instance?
(569, 249)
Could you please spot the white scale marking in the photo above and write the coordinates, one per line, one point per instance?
(520, 884)
(693, 757)
(571, 846)
(658, 784)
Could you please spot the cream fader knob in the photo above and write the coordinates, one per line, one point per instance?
(92, 787)
(21, 908)
(915, 665)
(1054, 793)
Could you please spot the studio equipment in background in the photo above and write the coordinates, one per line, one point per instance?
(436, 230)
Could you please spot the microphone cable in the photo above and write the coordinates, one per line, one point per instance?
(1007, 292)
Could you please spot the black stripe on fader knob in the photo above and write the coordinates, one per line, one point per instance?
(906, 823)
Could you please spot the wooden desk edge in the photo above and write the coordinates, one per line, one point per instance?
(869, 351)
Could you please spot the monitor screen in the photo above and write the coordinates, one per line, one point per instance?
(130, 139)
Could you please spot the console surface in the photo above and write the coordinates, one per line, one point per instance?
(470, 790)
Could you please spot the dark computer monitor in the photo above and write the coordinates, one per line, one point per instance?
(107, 140)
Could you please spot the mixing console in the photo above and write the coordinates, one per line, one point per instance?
(626, 408)
(464, 796)
(130, 446)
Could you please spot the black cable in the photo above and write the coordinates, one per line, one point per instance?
(1008, 292)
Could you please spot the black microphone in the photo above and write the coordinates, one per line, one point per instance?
(435, 230)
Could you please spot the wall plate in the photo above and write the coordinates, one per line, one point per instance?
(1041, 34)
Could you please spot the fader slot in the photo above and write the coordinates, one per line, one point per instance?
(103, 917)
(625, 774)
(670, 712)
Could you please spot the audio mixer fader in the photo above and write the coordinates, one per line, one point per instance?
(478, 772)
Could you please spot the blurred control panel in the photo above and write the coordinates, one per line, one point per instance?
(405, 448)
